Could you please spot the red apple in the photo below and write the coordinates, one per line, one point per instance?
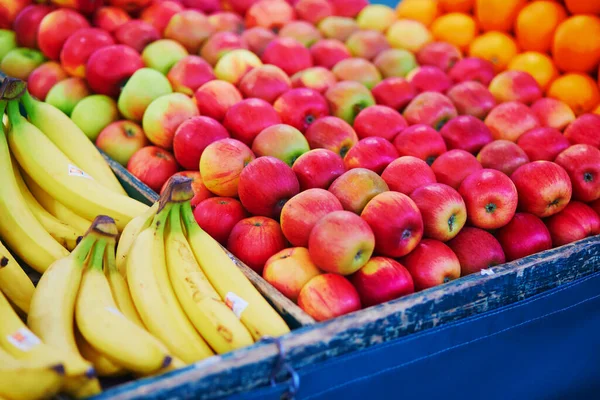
(110, 18)
(476, 249)
(582, 163)
(288, 54)
(192, 137)
(318, 168)
(430, 108)
(543, 143)
(347, 99)
(396, 62)
(396, 173)
(189, 73)
(254, 240)
(355, 188)
(240, 6)
(503, 155)
(553, 113)
(367, 44)
(357, 70)
(443, 210)
(576, 222)
(153, 166)
(452, 167)
(429, 79)
(246, 119)
(511, 120)
(490, 197)
(108, 68)
(396, 222)
(130, 5)
(206, 6)
(515, 85)
(300, 214)
(266, 82)
(226, 21)
(341, 242)
(301, 107)
(382, 279)
(544, 188)
(328, 296)
(201, 193)
(258, 39)
(328, 52)
(220, 43)
(394, 92)
(432, 263)
(280, 141)
(190, 28)
(313, 11)
(218, 215)
(164, 115)
(44, 77)
(80, 46)
(472, 98)
(420, 141)
(121, 140)
(348, 8)
(137, 34)
(466, 133)
(316, 78)
(379, 121)
(524, 235)
(374, 153)
(55, 28)
(214, 98)
(160, 13)
(27, 24)
(472, 69)
(221, 164)
(333, 134)
(289, 270)
(439, 54)
(270, 14)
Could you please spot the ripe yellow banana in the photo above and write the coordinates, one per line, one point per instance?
(131, 231)
(60, 178)
(20, 230)
(231, 283)
(103, 366)
(69, 138)
(14, 282)
(154, 298)
(217, 324)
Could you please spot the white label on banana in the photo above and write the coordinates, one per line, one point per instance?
(115, 311)
(236, 303)
(74, 171)
(24, 339)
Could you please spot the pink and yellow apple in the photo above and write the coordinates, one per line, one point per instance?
(355, 188)
(78, 48)
(214, 98)
(431, 263)
(192, 137)
(153, 166)
(367, 44)
(510, 120)
(430, 108)
(395, 63)
(110, 18)
(221, 164)
(258, 38)
(160, 13)
(55, 28)
(443, 210)
(428, 78)
(190, 28)
(189, 73)
(319, 79)
(313, 11)
(280, 141)
(288, 54)
(247, 118)
(227, 21)
(472, 69)
(333, 134)
(584, 130)
(472, 98)
(121, 140)
(502, 155)
(327, 53)
(232, 66)
(302, 31)
(266, 82)
(67, 93)
(378, 17)
(144, 86)
(318, 168)
(219, 44)
(270, 14)
(396, 173)
(442, 55)
(44, 77)
(164, 115)
(582, 163)
(162, 54)
(374, 153)
(357, 70)
(382, 279)
(553, 113)
(289, 270)
(347, 99)
(515, 86)
(337, 27)
(328, 296)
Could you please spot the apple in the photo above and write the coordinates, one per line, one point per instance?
(247, 118)
(443, 210)
(110, 18)
(258, 39)
(466, 132)
(379, 121)
(318, 168)
(367, 44)
(357, 70)
(94, 113)
(281, 141)
(300, 214)
(270, 14)
(201, 193)
(336, 27)
(301, 107)
(189, 73)
(8, 42)
(44, 77)
(328, 296)
(476, 249)
(515, 86)
(472, 69)
(21, 62)
(265, 185)
(576, 222)
(396, 222)
(491, 198)
(192, 137)
(584, 130)
(67, 93)
(130, 5)
(160, 13)
(543, 143)
(266, 82)
(9, 11)
(221, 164)
(214, 98)
(430, 108)
(394, 92)
(164, 115)
(420, 141)
(162, 54)
(319, 79)
(121, 140)
(233, 65)
(472, 98)
(153, 166)
(302, 31)
(206, 6)
(239, 6)
(452, 167)
(397, 171)
(348, 8)
(431, 263)
(378, 17)
(111, 66)
(288, 54)
(144, 86)
(227, 21)
(395, 63)
(355, 188)
(510, 120)
(328, 52)
(408, 34)
(341, 242)
(503, 155)
(582, 163)
(137, 34)
(254, 240)
(347, 99)
(190, 28)
(27, 24)
(313, 11)
(544, 188)
(439, 54)
(333, 134)
(55, 28)
(219, 44)
(428, 78)
(553, 113)
(218, 215)
(289, 270)
(372, 153)
(382, 279)
(78, 48)
(524, 235)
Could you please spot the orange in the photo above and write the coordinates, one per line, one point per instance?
(579, 91)
(456, 28)
(583, 6)
(536, 24)
(576, 45)
(424, 11)
(464, 6)
(497, 15)
(538, 65)
(496, 47)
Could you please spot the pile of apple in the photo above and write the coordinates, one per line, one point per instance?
(336, 150)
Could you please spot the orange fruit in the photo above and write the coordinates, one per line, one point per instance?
(455, 28)
(576, 45)
(583, 6)
(424, 11)
(579, 91)
(538, 65)
(497, 15)
(536, 24)
(496, 47)
(464, 6)
(597, 110)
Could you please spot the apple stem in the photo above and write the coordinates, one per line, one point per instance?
(446, 279)
(358, 255)
(490, 208)
(429, 160)
(344, 150)
(451, 221)
(406, 234)
(588, 177)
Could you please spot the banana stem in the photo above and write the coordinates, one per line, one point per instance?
(12, 88)
(175, 217)
(14, 114)
(111, 262)
(187, 217)
(97, 257)
(3, 104)
(178, 190)
(82, 250)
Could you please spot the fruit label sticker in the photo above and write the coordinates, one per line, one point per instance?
(115, 311)
(74, 171)
(23, 339)
(236, 303)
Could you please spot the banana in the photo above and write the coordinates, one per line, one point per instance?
(230, 282)
(20, 230)
(103, 366)
(154, 298)
(60, 178)
(104, 326)
(217, 324)
(131, 231)
(69, 138)
(14, 282)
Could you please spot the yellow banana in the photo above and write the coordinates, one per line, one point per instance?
(61, 179)
(14, 282)
(131, 231)
(217, 324)
(81, 387)
(103, 366)
(154, 298)
(69, 138)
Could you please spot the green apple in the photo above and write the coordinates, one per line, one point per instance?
(141, 89)
(94, 113)
(8, 41)
(67, 93)
(20, 62)
(163, 54)
(348, 98)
